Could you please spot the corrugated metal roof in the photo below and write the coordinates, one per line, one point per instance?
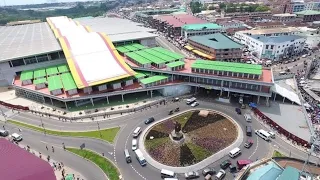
(216, 41)
(275, 39)
(289, 173)
(19, 164)
(201, 26)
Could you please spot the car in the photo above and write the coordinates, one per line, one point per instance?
(272, 134)
(247, 117)
(238, 110)
(16, 137)
(149, 120)
(4, 133)
(207, 171)
(134, 144)
(175, 99)
(243, 106)
(194, 104)
(191, 175)
(225, 164)
(248, 144)
(304, 56)
(220, 174)
(232, 168)
(170, 112)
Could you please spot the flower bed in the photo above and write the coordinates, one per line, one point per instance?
(204, 136)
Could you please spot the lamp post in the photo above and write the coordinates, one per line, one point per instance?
(4, 115)
(99, 129)
(44, 129)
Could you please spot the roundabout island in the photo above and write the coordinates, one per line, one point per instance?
(190, 137)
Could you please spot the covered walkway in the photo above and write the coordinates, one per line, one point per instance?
(285, 93)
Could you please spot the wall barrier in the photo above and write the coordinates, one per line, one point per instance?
(281, 130)
(14, 107)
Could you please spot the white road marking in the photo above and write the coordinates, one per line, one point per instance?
(255, 150)
(138, 172)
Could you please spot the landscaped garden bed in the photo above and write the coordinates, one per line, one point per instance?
(203, 137)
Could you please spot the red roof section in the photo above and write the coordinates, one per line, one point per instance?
(19, 164)
(179, 20)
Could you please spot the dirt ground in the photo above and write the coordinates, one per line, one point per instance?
(310, 168)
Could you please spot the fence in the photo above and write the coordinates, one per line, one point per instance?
(15, 107)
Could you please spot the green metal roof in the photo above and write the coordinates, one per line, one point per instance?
(122, 49)
(52, 70)
(169, 53)
(54, 83)
(162, 56)
(289, 173)
(153, 79)
(150, 57)
(139, 46)
(63, 68)
(26, 75)
(216, 41)
(68, 82)
(39, 73)
(139, 75)
(130, 47)
(201, 26)
(308, 12)
(39, 81)
(138, 58)
(228, 67)
(175, 64)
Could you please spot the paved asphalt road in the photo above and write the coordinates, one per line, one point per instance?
(128, 123)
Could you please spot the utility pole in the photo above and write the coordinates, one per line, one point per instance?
(44, 129)
(99, 129)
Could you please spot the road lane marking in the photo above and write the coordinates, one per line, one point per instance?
(255, 150)
(138, 172)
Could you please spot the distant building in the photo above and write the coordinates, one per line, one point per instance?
(16, 23)
(274, 47)
(309, 15)
(199, 29)
(293, 7)
(267, 25)
(218, 46)
(231, 24)
(286, 17)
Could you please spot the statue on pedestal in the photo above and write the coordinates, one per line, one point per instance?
(177, 127)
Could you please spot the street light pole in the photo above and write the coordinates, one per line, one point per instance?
(99, 129)
(44, 129)
(4, 116)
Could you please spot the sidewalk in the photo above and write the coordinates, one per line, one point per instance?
(58, 167)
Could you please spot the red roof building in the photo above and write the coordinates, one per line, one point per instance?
(19, 164)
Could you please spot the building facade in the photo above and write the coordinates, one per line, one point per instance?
(286, 17)
(189, 30)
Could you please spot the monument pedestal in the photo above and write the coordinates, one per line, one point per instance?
(177, 136)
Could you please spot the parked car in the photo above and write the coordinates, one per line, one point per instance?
(232, 168)
(272, 134)
(16, 137)
(4, 133)
(194, 104)
(248, 144)
(191, 175)
(225, 164)
(304, 56)
(238, 110)
(207, 171)
(220, 175)
(149, 120)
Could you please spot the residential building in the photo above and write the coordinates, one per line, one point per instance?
(189, 30)
(217, 45)
(266, 25)
(309, 15)
(231, 24)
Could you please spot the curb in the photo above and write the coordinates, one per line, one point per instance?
(92, 161)
(68, 131)
(199, 165)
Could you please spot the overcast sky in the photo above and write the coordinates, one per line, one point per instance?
(20, 2)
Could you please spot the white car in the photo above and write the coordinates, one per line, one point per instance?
(194, 104)
(16, 137)
(304, 56)
(247, 117)
(134, 144)
(272, 134)
(220, 174)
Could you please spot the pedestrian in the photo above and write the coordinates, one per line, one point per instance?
(47, 147)
(52, 149)
(4, 127)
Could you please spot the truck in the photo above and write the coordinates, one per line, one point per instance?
(191, 100)
(140, 157)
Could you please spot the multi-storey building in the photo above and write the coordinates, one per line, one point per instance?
(309, 15)
(286, 17)
(189, 30)
(218, 46)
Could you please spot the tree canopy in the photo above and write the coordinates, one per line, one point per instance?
(10, 14)
(232, 7)
(195, 7)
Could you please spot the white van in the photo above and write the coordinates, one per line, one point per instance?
(16, 137)
(247, 117)
(134, 144)
(167, 174)
(136, 132)
(234, 152)
(263, 134)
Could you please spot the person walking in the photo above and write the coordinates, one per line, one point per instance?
(47, 147)
(52, 149)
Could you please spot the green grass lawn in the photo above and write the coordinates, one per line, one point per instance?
(277, 154)
(183, 118)
(108, 168)
(106, 134)
(154, 143)
(198, 152)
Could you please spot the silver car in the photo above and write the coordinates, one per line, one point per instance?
(191, 175)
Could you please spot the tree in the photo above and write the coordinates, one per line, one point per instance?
(262, 8)
(195, 7)
(211, 8)
(222, 5)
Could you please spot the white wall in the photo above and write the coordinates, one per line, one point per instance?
(129, 82)
(175, 90)
(102, 87)
(116, 85)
